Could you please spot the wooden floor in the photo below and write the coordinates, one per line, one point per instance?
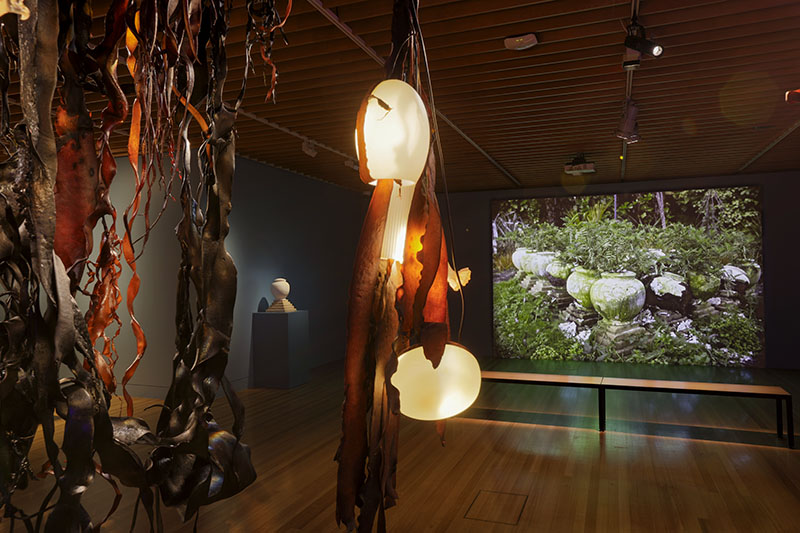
(525, 458)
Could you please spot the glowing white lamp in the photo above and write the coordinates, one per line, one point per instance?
(397, 133)
(434, 394)
(394, 236)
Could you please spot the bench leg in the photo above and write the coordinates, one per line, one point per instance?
(601, 408)
(790, 421)
(779, 414)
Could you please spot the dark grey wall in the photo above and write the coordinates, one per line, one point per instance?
(304, 230)
(282, 225)
(471, 221)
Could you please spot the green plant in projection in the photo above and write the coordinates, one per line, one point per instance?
(740, 209)
(607, 246)
(735, 331)
(510, 240)
(590, 209)
(544, 237)
(523, 211)
(502, 262)
(738, 247)
(642, 209)
(690, 249)
(736, 208)
(668, 347)
(511, 221)
(527, 325)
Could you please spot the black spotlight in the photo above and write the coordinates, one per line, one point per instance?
(628, 129)
(637, 40)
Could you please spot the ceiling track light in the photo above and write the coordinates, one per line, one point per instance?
(631, 59)
(793, 97)
(628, 129)
(637, 40)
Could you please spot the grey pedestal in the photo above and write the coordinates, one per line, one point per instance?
(279, 350)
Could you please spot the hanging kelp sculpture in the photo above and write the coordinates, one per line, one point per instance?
(55, 178)
(395, 302)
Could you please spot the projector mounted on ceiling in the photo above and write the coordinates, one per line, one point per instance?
(578, 166)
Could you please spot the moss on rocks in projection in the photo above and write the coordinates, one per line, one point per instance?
(525, 327)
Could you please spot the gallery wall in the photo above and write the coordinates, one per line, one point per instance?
(282, 225)
(471, 215)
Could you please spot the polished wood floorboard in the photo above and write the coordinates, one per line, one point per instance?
(524, 458)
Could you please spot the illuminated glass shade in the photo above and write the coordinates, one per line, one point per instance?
(394, 236)
(397, 134)
(428, 394)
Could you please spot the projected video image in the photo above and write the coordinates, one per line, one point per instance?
(661, 278)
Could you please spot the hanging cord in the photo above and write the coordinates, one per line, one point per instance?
(440, 154)
(628, 93)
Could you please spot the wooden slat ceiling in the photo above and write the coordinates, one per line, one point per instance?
(712, 102)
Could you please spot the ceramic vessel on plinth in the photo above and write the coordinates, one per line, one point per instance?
(579, 285)
(517, 256)
(753, 271)
(535, 263)
(280, 290)
(618, 296)
(557, 272)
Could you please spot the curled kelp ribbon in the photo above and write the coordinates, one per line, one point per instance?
(262, 23)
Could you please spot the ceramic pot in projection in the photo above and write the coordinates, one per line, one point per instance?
(557, 272)
(535, 263)
(579, 286)
(735, 278)
(618, 297)
(517, 256)
(753, 271)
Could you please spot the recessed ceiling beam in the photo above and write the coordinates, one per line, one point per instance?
(771, 145)
(293, 133)
(345, 29)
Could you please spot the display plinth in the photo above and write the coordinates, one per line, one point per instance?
(279, 349)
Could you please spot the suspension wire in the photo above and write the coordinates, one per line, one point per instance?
(440, 154)
(628, 91)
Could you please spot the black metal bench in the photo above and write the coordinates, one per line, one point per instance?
(650, 385)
